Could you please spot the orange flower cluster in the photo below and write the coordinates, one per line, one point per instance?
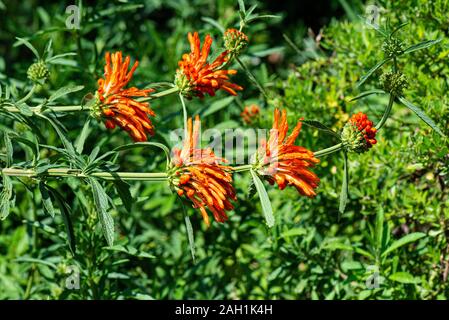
(365, 126)
(118, 105)
(283, 162)
(196, 76)
(250, 113)
(200, 177)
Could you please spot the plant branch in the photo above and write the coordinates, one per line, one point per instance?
(252, 77)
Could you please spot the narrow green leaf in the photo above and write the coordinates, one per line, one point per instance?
(216, 106)
(79, 143)
(5, 197)
(404, 277)
(9, 149)
(64, 91)
(371, 71)
(46, 199)
(190, 235)
(242, 6)
(421, 45)
(402, 25)
(295, 232)
(379, 228)
(28, 45)
(24, 109)
(421, 115)
(320, 126)
(67, 144)
(214, 23)
(344, 185)
(367, 93)
(143, 144)
(412, 237)
(59, 56)
(122, 189)
(66, 213)
(265, 16)
(102, 205)
(264, 199)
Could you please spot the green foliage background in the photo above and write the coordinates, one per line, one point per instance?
(398, 190)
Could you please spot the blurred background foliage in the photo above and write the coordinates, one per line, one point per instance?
(309, 60)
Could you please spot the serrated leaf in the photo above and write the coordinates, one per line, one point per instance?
(421, 114)
(64, 91)
(412, 237)
(421, 45)
(264, 199)
(46, 199)
(344, 185)
(371, 71)
(102, 205)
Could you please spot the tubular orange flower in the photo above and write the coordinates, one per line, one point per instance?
(117, 104)
(199, 176)
(196, 76)
(359, 133)
(282, 162)
(249, 113)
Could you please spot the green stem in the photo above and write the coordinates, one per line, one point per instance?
(29, 94)
(159, 94)
(40, 109)
(242, 168)
(66, 172)
(52, 108)
(329, 150)
(386, 113)
(252, 77)
(184, 112)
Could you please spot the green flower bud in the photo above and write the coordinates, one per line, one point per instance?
(392, 47)
(235, 41)
(183, 84)
(38, 72)
(394, 82)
